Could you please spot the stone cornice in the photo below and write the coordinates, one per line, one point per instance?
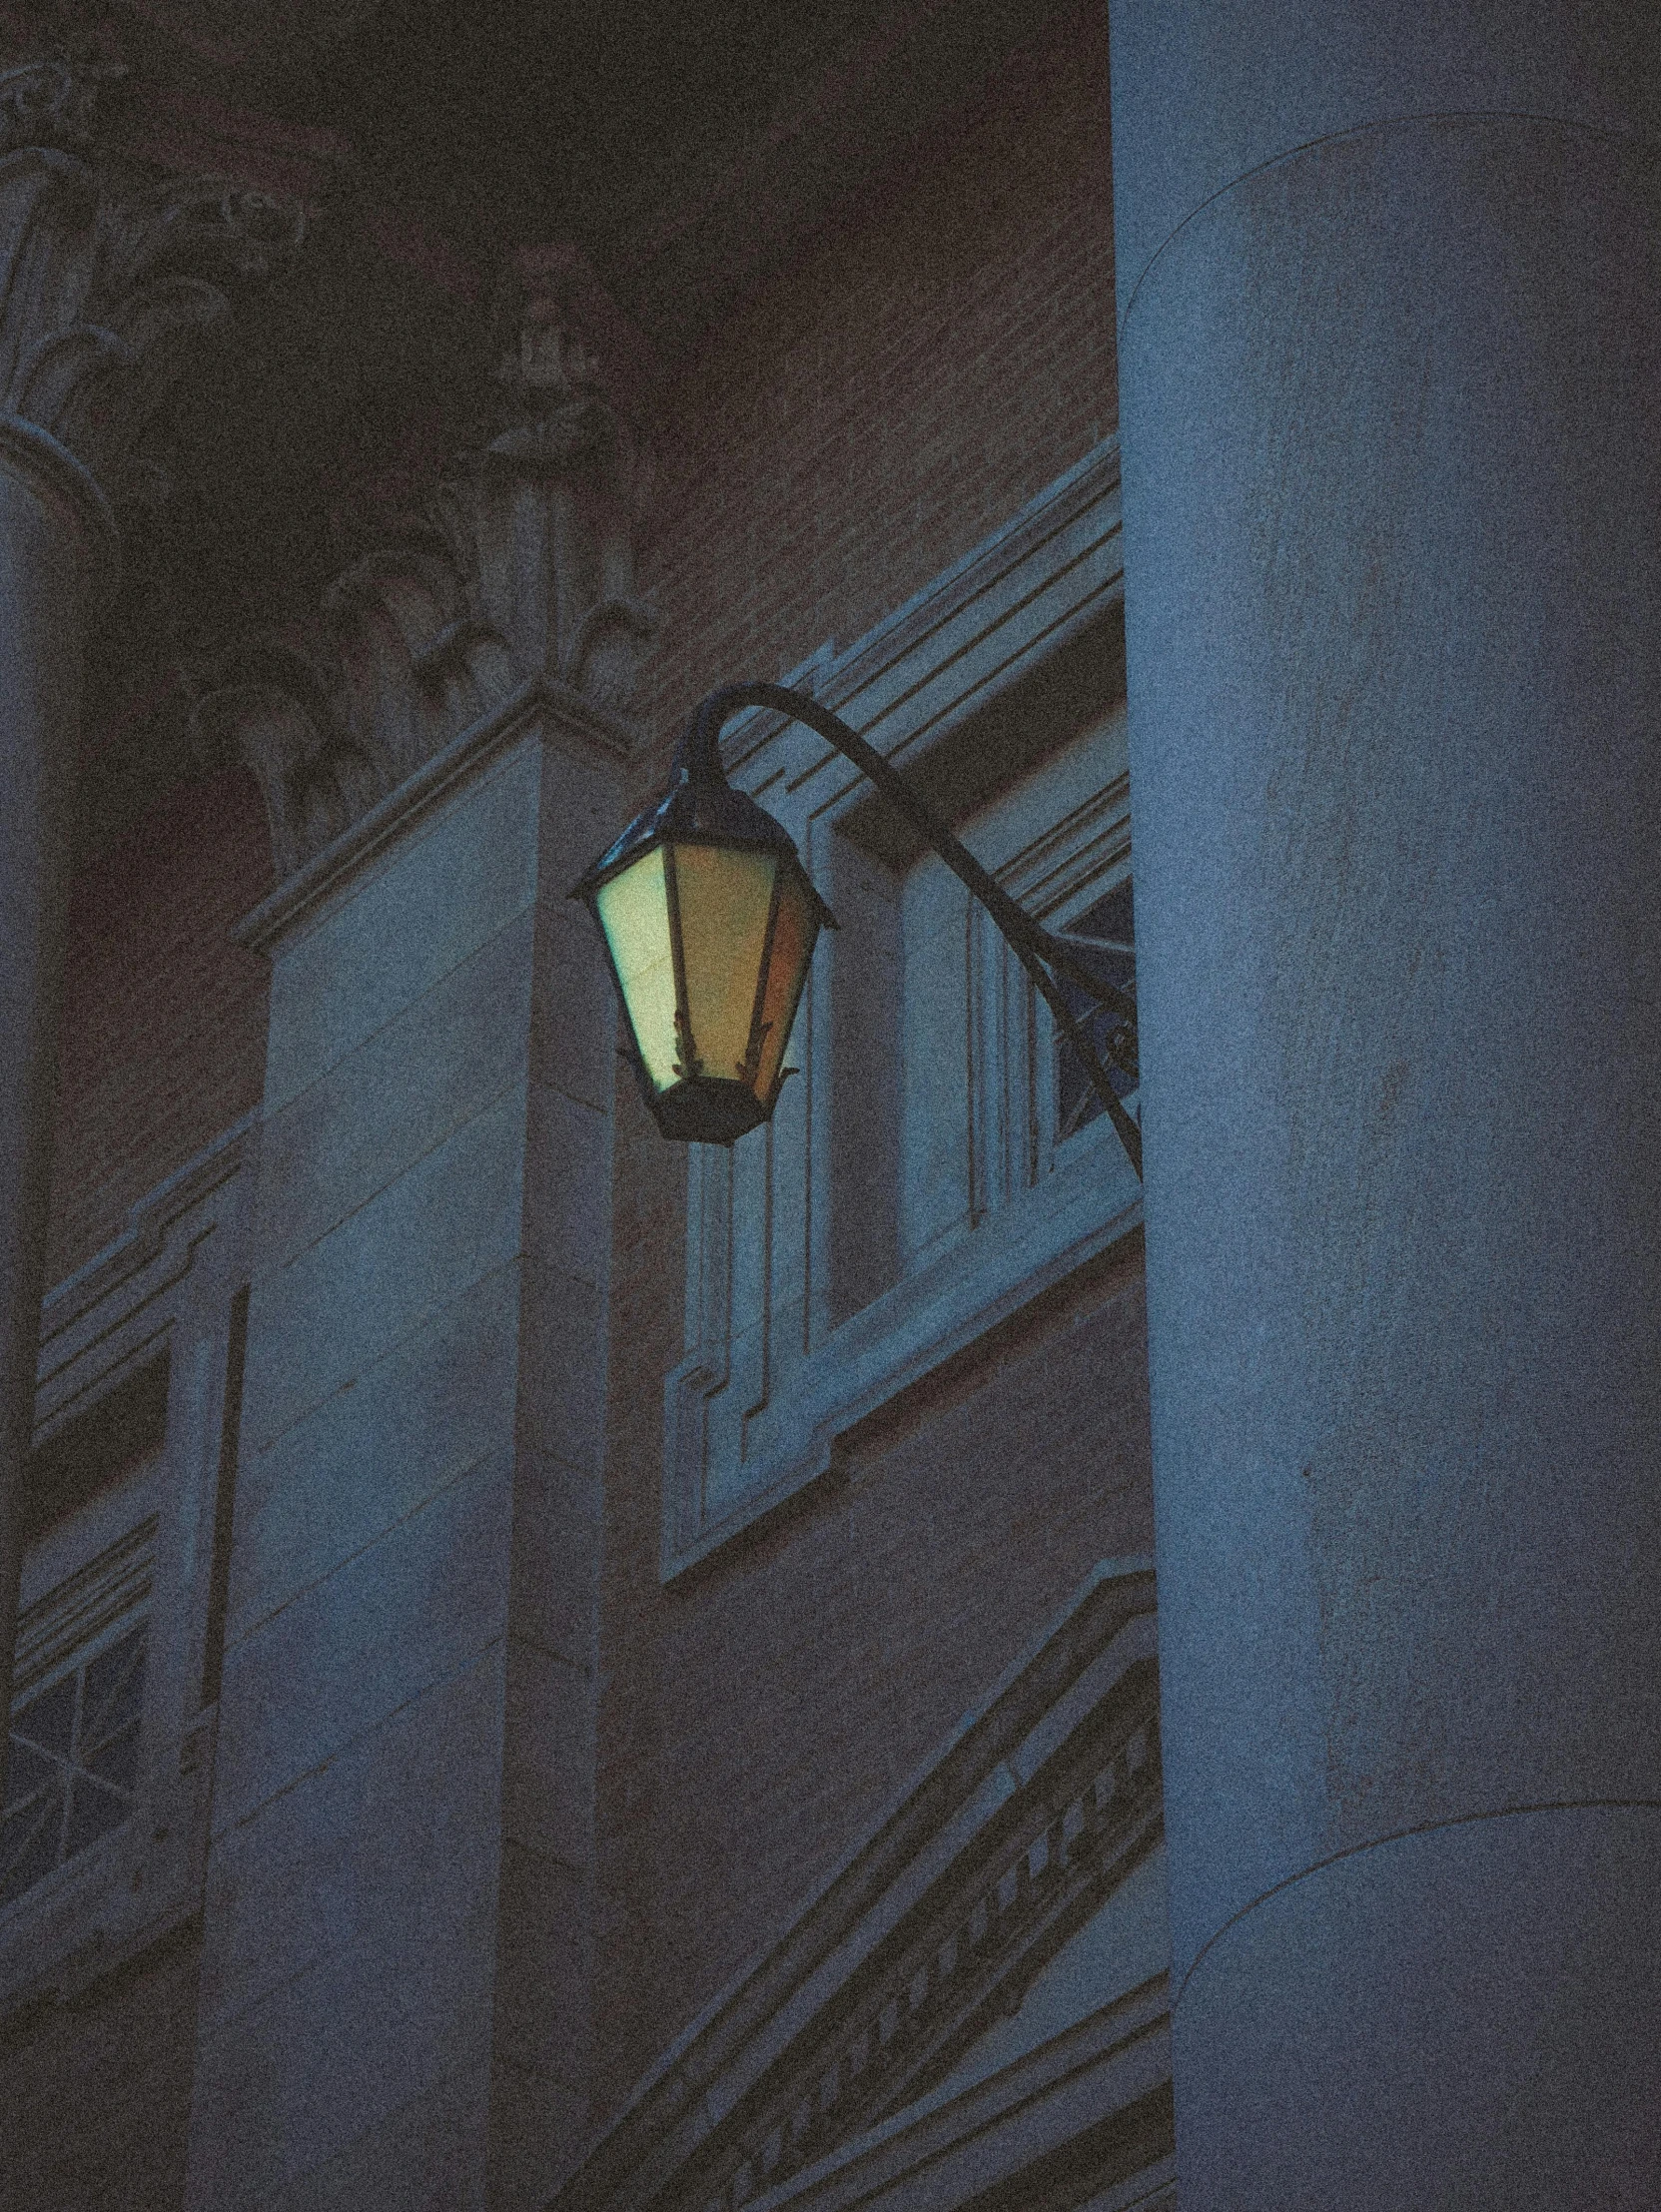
(1042, 1800)
(570, 718)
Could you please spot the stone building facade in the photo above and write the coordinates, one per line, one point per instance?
(552, 1668)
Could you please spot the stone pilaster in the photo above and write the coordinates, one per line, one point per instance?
(399, 1893)
(105, 285)
(1390, 377)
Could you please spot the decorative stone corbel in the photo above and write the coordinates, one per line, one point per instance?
(269, 703)
(520, 566)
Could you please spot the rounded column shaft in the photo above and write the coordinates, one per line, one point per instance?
(103, 293)
(1391, 375)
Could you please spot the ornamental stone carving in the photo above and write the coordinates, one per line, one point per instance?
(108, 280)
(518, 566)
(566, 476)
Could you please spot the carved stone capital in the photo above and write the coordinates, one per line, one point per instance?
(561, 404)
(517, 566)
(106, 284)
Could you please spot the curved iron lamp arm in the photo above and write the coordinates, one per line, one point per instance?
(1038, 952)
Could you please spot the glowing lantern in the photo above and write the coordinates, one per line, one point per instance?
(709, 921)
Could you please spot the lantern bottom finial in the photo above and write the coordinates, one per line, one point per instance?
(707, 1109)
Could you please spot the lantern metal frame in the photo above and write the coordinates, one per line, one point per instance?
(700, 807)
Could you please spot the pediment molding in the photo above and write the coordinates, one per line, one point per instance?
(1002, 1848)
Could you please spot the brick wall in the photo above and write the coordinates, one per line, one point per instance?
(943, 353)
(95, 2094)
(868, 416)
(755, 1720)
(164, 1024)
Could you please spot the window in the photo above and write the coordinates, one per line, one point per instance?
(941, 1159)
(1104, 936)
(994, 1094)
(78, 1675)
(109, 1745)
(72, 1772)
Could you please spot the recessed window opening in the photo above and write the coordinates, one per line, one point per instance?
(74, 1741)
(1104, 936)
(73, 1763)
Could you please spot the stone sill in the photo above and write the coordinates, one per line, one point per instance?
(889, 1346)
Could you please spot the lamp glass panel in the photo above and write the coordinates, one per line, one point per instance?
(634, 914)
(794, 934)
(725, 893)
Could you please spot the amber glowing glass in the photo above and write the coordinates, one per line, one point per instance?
(725, 896)
(795, 927)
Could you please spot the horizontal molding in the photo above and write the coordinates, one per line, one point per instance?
(1114, 2062)
(897, 1340)
(64, 1622)
(76, 1971)
(104, 1319)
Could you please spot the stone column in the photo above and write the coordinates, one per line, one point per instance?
(397, 1920)
(1389, 290)
(100, 292)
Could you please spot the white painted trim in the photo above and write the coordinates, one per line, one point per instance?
(106, 1318)
(60, 1626)
(952, 2148)
(953, 1830)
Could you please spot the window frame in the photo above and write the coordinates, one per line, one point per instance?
(973, 688)
(156, 1302)
(74, 1664)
